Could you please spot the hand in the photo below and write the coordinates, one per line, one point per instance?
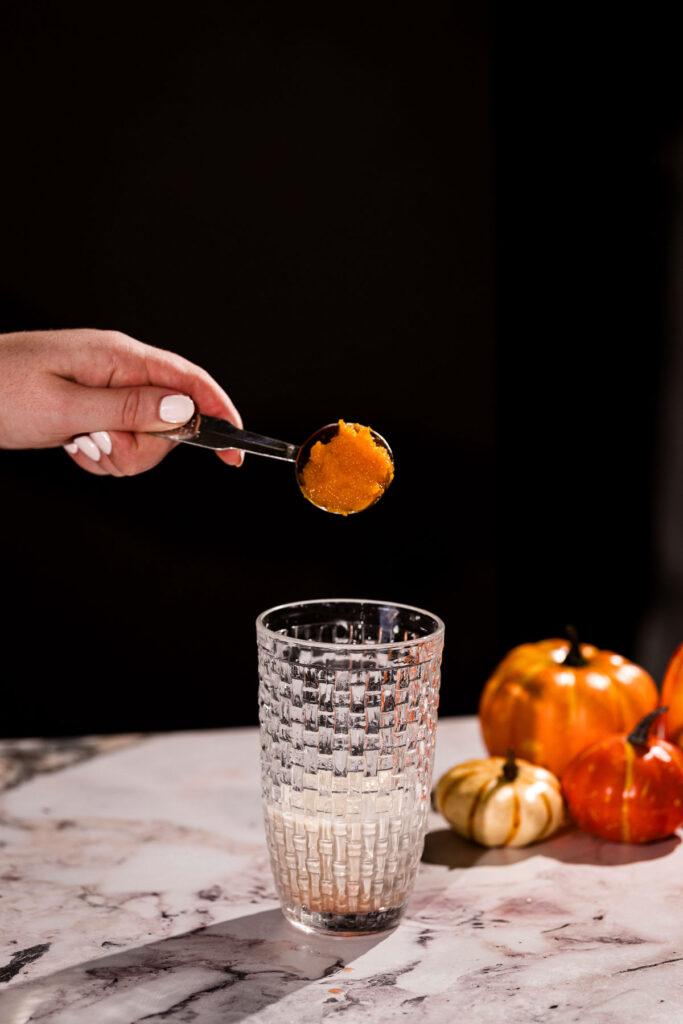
(98, 393)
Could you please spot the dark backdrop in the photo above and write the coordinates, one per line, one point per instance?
(446, 220)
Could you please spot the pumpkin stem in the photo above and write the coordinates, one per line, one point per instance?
(510, 768)
(574, 658)
(638, 736)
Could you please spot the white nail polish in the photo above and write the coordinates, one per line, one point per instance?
(176, 409)
(88, 447)
(70, 448)
(102, 440)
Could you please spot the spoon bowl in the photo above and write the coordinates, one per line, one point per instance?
(324, 435)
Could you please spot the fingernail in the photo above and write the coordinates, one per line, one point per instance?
(102, 440)
(88, 447)
(176, 409)
(70, 448)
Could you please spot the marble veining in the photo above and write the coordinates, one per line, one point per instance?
(135, 886)
(21, 759)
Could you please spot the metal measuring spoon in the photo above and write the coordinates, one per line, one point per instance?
(210, 432)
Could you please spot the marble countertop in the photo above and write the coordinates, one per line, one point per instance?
(135, 886)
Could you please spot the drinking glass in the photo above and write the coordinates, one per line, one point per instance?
(348, 697)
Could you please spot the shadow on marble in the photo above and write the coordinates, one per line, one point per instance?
(446, 847)
(223, 973)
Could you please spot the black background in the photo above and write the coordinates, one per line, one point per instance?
(448, 220)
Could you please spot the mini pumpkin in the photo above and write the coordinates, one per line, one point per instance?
(628, 788)
(551, 699)
(499, 801)
(672, 697)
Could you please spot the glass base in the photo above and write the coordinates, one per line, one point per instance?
(325, 923)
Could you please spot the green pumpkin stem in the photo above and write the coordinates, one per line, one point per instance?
(574, 657)
(510, 768)
(638, 736)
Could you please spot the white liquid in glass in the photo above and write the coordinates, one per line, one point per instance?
(358, 856)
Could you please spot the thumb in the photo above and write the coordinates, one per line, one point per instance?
(134, 409)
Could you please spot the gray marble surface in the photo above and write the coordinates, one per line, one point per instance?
(135, 886)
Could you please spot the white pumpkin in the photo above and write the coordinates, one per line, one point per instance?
(500, 802)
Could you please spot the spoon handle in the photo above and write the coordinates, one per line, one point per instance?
(209, 432)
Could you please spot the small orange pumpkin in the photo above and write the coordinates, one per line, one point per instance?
(628, 788)
(551, 699)
(672, 696)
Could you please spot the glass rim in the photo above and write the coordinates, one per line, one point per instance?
(327, 646)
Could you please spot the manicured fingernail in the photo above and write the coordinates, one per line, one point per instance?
(176, 409)
(70, 448)
(237, 456)
(88, 447)
(102, 440)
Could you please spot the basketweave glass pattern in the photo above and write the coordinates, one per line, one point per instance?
(348, 698)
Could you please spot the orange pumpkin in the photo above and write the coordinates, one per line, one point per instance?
(672, 696)
(551, 699)
(628, 788)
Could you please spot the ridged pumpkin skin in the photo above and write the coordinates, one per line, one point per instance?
(672, 697)
(626, 792)
(548, 711)
(481, 804)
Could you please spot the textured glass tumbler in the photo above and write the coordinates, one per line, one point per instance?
(348, 697)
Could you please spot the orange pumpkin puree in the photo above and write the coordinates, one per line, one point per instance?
(349, 472)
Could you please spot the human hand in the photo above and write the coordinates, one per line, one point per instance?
(99, 393)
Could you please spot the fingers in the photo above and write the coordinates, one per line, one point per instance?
(231, 456)
(86, 462)
(88, 446)
(139, 409)
(117, 453)
(126, 447)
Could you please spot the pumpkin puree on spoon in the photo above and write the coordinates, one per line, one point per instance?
(349, 472)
